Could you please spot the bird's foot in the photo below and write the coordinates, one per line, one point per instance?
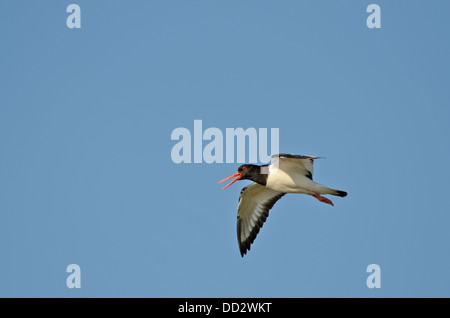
(322, 199)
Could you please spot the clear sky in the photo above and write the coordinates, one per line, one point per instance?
(86, 175)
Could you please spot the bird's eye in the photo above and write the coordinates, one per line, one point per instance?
(244, 168)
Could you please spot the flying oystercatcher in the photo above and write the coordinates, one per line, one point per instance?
(287, 174)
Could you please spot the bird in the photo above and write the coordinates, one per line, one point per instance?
(287, 174)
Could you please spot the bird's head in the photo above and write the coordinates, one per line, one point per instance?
(244, 172)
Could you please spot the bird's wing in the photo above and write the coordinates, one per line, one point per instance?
(287, 162)
(255, 201)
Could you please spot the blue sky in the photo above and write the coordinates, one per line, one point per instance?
(86, 175)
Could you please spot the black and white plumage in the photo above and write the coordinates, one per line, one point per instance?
(287, 174)
(255, 201)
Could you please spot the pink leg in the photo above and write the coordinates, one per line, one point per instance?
(322, 199)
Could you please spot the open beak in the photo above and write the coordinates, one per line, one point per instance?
(237, 174)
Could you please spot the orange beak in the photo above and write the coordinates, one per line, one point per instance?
(237, 174)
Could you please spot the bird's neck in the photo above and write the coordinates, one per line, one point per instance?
(260, 178)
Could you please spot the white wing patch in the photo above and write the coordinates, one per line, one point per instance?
(255, 201)
(296, 163)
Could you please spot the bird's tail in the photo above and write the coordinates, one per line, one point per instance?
(338, 193)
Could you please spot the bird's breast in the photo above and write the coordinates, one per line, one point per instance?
(281, 181)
